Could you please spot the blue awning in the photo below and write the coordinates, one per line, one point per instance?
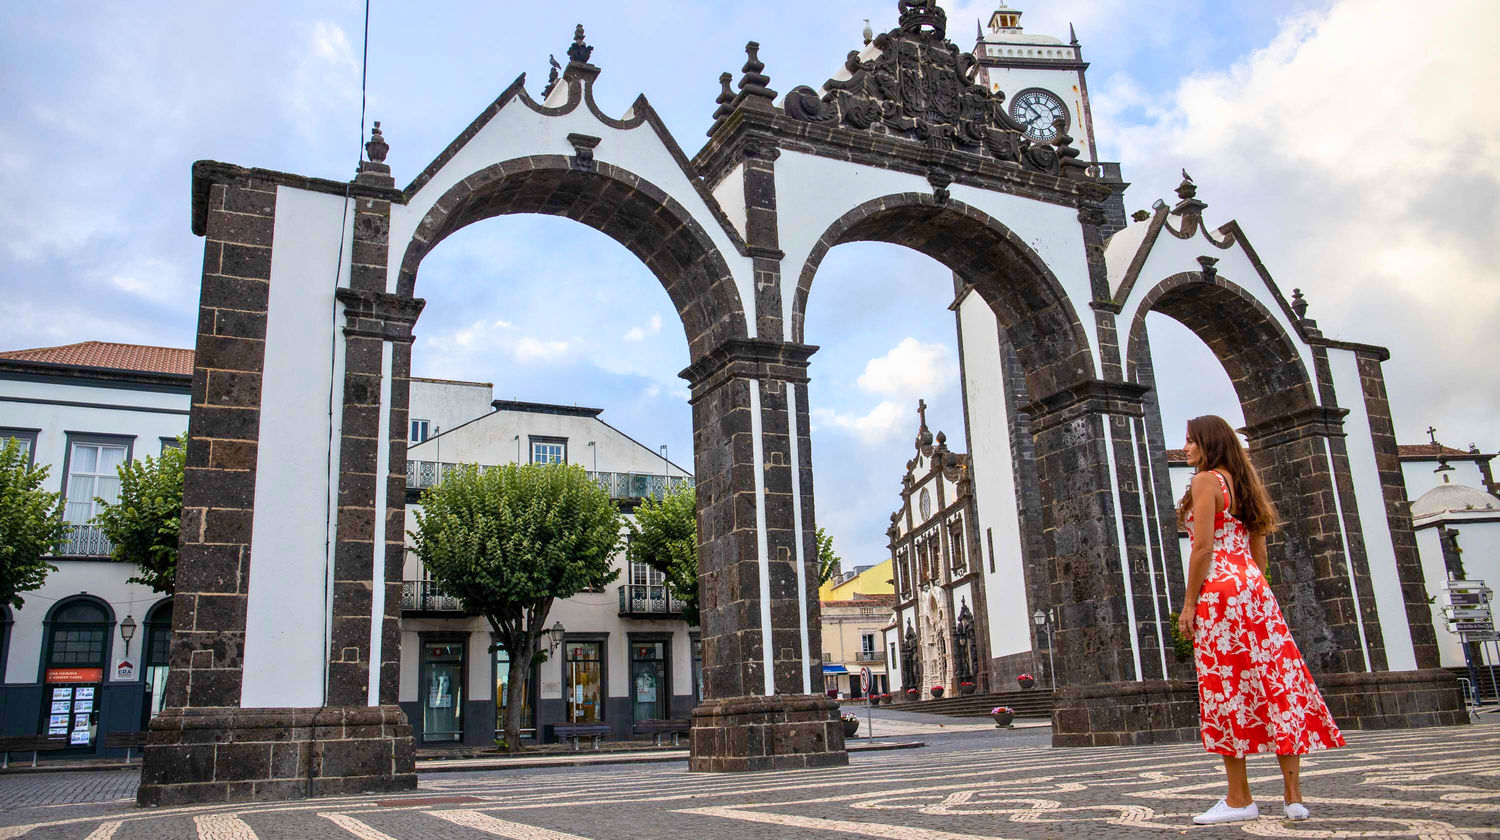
(834, 669)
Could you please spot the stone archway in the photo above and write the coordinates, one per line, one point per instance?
(1287, 430)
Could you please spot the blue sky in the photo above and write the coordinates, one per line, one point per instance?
(1293, 117)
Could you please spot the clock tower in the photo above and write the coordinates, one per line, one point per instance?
(1042, 79)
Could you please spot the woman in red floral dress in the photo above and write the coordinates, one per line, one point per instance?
(1254, 691)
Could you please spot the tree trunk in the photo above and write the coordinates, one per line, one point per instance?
(515, 695)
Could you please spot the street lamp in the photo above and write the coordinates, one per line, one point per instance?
(1040, 618)
(556, 636)
(127, 632)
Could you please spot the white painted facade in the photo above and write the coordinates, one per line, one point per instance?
(55, 412)
(445, 404)
(493, 438)
(1475, 516)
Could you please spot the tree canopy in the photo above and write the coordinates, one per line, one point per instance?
(508, 542)
(31, 524)
(145, 522)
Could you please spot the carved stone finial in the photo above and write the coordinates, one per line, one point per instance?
(1187, 189)
(1208, 270)
(1072, 36)
(551, 76)
(579, 51)
(920, 15)
(1299, 304)
(725, 101)
(1067, 157)
(376, 147)
(753, 82)
(942, 439)
(1140, 215)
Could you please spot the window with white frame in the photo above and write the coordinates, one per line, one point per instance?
(642, 574)
(91, 473)
(418, 431)
(549, 451)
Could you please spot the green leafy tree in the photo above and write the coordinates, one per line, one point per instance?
(508, 542)
(829, 563)
(145, 522)
(664, 536)
(31, 524)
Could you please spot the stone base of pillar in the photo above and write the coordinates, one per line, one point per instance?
(227, 754)
(741, 734)
(1166, 711)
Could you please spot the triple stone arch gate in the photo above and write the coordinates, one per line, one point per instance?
(286, 645)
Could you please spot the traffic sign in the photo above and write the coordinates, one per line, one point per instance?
(1466, 585)
(1467, 599)
(1481, 636)
(1468, 613)
(864, 680)
(1472, 626)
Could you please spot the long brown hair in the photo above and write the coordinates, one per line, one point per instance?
(1220, 449)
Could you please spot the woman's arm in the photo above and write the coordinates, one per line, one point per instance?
(1258, 551)
(1207, 499)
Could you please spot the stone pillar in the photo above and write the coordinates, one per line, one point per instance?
(761, 664)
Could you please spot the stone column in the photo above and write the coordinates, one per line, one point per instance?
(761, 663)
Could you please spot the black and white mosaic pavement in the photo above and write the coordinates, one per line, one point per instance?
(1431, 783)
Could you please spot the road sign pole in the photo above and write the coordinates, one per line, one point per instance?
(1493, 685)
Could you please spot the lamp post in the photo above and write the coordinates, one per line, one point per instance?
(1042, 618)
(127, 632)
(555, 636)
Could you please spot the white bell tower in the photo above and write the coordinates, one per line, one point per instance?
(1042, 78)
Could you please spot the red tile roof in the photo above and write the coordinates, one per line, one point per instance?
(1429, 450)
(865, 600)
(111, 355)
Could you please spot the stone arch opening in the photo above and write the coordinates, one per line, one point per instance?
(1317, 552)
(652, 225)
(1026, 296)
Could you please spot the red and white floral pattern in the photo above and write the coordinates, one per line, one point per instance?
(1254, 691)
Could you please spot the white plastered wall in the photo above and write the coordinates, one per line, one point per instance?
(1380, 551)
(804, 212)
(286, 614)
(1061, 81)
(1007, 616)
(1480, 544)
(518, 131)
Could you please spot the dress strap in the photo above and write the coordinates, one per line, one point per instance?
(1224, 486)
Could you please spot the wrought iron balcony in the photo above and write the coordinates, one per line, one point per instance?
(638, 601)
(869, 656)
(424, 596)
(86, 541)
(621, 485)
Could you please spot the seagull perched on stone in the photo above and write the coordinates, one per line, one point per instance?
(1185, 176)
(869, 33)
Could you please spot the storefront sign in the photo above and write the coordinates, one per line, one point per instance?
(75, 675)
(124, 671)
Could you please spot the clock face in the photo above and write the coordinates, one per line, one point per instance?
(926, 503)
(1037, 109)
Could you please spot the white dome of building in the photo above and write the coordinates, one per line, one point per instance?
(1453, 498)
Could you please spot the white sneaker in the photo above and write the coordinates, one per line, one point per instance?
(1295, 811)
(1222, 813)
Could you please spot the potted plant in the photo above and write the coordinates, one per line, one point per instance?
(937, 692)
(874, 699)
(965, 687)
(851, 724)
(913, 694)
(833, 694)
(886, 699)
(1026, 680)
(1004, 717)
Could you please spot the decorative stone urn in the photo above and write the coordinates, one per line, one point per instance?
(874, 699)
(937, 692)
(851, 726)
(1026, 681)
(965, 688)
(1004, 717)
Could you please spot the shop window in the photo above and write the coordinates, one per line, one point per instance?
(649, 696)
(584, 670)
(697, 669)
(442, 689)
(77, 645)
(156, 653)
(502, 687)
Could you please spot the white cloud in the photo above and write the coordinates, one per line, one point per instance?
(1361, 161)
(639, 333)
(877, 426)
(531, 349)
(911, 368)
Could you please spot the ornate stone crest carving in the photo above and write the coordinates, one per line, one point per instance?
(918, 88)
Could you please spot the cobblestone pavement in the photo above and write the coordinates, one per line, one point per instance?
(1433, 783)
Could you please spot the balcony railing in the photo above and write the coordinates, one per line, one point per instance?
(872, 656)
(86, 541)
(637, 601)
(621, 485)
(424, 596)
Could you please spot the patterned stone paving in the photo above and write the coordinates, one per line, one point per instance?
(1434, 783)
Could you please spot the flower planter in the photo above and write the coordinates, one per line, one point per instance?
(874, 699)
(833, 693)
(913, 694)
(966, 688)
(1004, 720)
(1025, 682)
(850, 727)
(886, 699)
(937, 692)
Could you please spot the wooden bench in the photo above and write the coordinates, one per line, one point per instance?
(577, 731)
(125, 740)
(34, 744)
(658, 728)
